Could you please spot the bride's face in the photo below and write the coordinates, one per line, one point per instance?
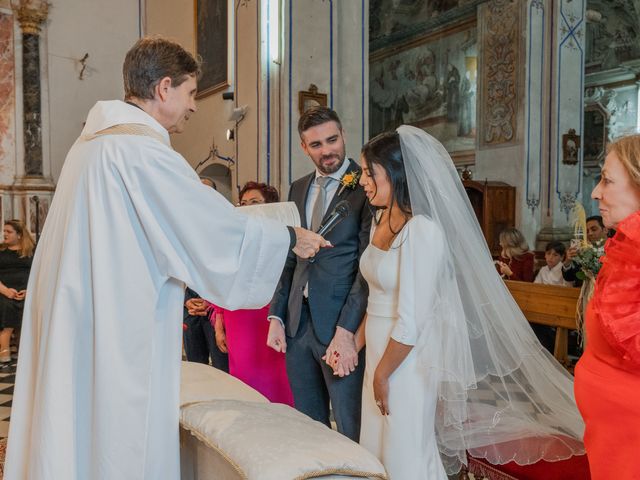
(376, 184)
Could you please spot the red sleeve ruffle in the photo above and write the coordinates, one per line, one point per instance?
(617, 294)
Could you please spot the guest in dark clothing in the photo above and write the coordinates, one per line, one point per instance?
(16, 254)
(198, 336)
(596, 232)
(516, 260)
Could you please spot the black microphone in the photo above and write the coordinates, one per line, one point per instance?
(342, 211)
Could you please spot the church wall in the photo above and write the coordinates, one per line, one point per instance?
(104, 31)
(325, 44)
(209, 124)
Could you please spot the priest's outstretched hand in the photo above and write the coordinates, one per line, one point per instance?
(308, 243)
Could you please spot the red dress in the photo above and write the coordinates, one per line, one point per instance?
(607, 377)
(250, 359)
(521, 266)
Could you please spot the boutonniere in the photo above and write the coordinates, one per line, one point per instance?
(349, 180)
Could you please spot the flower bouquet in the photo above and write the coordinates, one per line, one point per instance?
(588, 259)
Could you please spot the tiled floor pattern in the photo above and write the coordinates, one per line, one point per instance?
(7, 379)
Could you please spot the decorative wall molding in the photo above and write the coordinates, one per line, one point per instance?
(534, 103)
(500, 40)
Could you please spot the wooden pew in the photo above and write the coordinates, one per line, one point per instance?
(548, 305)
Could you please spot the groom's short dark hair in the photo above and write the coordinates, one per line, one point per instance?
(317, 116)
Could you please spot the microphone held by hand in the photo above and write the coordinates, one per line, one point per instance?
(342, 211)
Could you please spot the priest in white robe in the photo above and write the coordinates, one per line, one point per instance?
(97, 388)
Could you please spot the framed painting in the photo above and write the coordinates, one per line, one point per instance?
(429, 82)
(311, 98)
(211, 33)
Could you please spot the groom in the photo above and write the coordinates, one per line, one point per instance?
(319, 304)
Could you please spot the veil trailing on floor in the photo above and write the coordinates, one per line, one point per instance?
(502, 396)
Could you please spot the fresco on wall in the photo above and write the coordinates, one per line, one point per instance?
(431, 84)
(612, 34)
(387, 17)
(7, 90)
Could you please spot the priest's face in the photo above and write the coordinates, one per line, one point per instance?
(618, 196)
(178, 104)
(324, 143)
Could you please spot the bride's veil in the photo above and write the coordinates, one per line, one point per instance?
(501, 395)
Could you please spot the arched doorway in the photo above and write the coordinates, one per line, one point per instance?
(221, 175)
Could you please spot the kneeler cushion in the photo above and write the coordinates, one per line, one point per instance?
(270, 441)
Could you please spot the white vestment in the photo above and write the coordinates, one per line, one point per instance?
(97, 388)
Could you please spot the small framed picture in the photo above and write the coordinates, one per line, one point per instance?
(311, 98)
(570, 147)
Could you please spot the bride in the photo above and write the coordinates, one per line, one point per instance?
(451, 365)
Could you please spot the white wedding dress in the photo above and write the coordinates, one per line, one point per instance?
(405, 440)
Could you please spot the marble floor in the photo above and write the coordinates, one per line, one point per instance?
(7, 379)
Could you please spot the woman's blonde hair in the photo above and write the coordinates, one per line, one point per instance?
(27, 245)
(627, 149)
(513, 243)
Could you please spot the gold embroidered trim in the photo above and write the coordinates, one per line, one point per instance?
(128, 129)
(341, 471)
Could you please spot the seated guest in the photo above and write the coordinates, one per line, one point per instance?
(551, 273)
(243, 333)
(515, 261)
(16, 254)
(596, 232)
(198, 337)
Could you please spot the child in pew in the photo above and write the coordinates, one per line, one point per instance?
(550, 274)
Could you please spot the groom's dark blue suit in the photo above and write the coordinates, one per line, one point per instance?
(337, 296)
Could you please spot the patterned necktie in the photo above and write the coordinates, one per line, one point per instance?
(317, 213)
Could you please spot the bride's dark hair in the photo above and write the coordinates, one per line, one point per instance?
(384, 150)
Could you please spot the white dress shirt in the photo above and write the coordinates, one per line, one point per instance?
(332, 188)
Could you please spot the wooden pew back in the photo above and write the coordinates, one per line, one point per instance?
(549, 305)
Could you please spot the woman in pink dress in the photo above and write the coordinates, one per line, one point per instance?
(243, 333)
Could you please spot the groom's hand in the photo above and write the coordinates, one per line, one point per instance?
(341, 354)
(276, 338)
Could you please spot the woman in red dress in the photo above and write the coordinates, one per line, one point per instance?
(516, 260)
(243, 333)
(607, 382)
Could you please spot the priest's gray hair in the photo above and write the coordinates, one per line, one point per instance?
(150, 60)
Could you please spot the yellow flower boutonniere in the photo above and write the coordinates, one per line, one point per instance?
(349, 180)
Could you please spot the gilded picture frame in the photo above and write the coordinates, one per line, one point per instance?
(211, 45)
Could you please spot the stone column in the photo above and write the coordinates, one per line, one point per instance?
(31, 15)
(32, 189)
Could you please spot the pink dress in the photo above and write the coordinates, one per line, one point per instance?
(250, 359)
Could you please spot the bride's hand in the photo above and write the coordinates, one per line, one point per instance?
(381, 392)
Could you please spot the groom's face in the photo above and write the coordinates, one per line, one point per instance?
(324, 143)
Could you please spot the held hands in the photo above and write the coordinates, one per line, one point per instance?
(342, 354)
(12, 293)
(308, 243)
(197, 307)
(276, 338)
(504, 269)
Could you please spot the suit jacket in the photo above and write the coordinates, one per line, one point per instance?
(337, 292)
